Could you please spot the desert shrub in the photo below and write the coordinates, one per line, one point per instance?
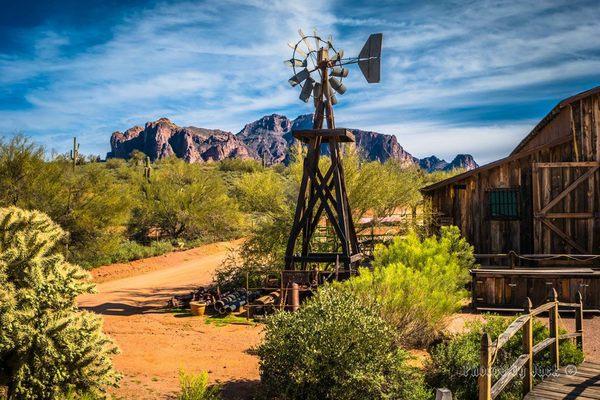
(239, 165)
(335, 347)
(184, 202)
(196, 387)
(261, 192)
(417, 283)
(129, 250)
(454, 362)
(48, 347)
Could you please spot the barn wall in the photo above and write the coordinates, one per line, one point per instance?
(463, 203)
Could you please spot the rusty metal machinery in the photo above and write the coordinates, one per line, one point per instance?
(319, 70)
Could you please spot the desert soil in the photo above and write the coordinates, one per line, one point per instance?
(155, 344)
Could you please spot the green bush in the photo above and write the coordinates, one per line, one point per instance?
(196, 387)
(129, 250)
(48, 347)
(184, 202)
(417, 283)
(454, 362)
(335, 347)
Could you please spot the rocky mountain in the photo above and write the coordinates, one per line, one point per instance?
(163, 138)
(461, 161)
(267, 139)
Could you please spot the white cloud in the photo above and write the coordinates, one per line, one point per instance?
(218, 64)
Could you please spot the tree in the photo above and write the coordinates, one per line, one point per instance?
(48, 347)
(183, 201)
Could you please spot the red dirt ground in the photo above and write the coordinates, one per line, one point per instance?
(155, 344)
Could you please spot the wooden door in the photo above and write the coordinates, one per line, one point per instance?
(565, 207)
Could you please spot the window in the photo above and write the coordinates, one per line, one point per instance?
(503, 203)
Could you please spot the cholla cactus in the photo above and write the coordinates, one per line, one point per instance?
(48, 347)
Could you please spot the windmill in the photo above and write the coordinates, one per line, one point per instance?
(319, 70)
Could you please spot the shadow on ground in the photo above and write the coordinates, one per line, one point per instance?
(240, 389)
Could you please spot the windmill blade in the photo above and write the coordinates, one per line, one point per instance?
(339, 71)
(307, 90)
(337, 85)
(305, 40)
(299, 77)
(294, 62)
(297, 49)
(370, 58)
(338, 56)
(330, 95)
(316, 37)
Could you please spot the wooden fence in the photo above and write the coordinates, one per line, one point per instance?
(524, 362)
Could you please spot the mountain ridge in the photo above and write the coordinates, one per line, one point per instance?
(267, 139)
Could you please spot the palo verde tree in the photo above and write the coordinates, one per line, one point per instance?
(47, 346)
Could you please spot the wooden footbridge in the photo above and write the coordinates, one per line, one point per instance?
(581, 382)
(566, 382)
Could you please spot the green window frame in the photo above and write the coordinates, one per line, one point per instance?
(503, 203)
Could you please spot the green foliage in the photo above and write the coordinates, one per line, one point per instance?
(380, 188)
(417, 283)
(196, 387)
(454, 362)
(335, 347)
(261, 192)
(239, 165)
(48, 347)
(184, 201)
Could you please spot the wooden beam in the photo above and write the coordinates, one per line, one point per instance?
(562, 235)
(569, 188)
(584, 215)
(568, 164)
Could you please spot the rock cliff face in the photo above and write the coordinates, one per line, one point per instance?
(464, 161)
(461, 161)
(380, 147)
(163, 138)
(267, 139)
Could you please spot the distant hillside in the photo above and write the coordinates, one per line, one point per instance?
(267, 139)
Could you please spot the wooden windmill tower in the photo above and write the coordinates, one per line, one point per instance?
(324, 192)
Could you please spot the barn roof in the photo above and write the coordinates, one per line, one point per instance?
(517, 152)
(550, 116)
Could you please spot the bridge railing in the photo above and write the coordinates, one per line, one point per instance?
(524, 362)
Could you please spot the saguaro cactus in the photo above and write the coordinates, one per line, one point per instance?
(147, 169)
(74, 153)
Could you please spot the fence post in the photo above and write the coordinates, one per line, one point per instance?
(553, 319)
(295, 296)
(528, 349)
(485, 370)
(579, 321)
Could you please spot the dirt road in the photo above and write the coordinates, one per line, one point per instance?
(156, 344)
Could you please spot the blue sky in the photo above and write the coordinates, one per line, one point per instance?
(470, 77)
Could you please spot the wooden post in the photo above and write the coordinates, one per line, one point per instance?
(485, 371)
(247, 295)
(579, 321)
(295, 297)
(528, 349)
(553, 319)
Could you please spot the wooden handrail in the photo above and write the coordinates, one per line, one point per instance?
(524, 362)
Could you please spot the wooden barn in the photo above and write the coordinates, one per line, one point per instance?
(533, 217)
